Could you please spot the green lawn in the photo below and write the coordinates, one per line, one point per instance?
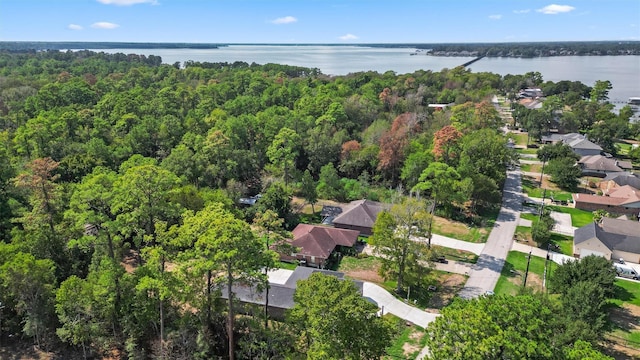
(462, 231)
(527, 151)
(536, 168)
(352, 263)
(623, 147)
(565, 242)
(286, 265)
(579, 217)
(626, 292)
(409, 337)
(529, 216)
(455, 254)
(510, 283)
(519, 138)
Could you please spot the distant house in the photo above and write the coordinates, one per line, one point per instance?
(601, 166)
(531, 103)
(530, 93)
(439, 107)
(280, 295)
(359, 215)
(620, 200)
(611, 238)
(249, 201)
(581, 145)
(316, 244)
(577, 142)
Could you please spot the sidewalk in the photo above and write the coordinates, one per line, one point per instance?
(554, 256)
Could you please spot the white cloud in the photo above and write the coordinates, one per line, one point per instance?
(284, 20)
(495, 17)
(104, 25)
(348, 37)
(127, 2)
(74, 27)
(554, 9)
(521, 11)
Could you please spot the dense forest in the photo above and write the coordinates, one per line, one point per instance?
(119, 181)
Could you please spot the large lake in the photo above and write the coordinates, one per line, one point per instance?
(622, 71)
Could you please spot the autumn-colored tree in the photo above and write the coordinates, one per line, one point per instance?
(445, 144)
(393, 143)
(486, 116)
(40, 179)
(388, 98)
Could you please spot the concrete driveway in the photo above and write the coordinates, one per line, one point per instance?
(387, 303)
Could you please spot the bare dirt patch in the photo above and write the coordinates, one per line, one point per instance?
(365, 275)
(454, 229)
(411, 347)
(450, 285)
(626, 318)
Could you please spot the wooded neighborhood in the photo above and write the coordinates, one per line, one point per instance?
(266, 211)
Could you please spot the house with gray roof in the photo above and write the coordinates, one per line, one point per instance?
(581, 145)
(280, 295)
(610, 238)
(619, 179)
(601, 166)
(359, 215)
(577, 142)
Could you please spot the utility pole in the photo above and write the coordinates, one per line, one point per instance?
(429, 234)
(544, 275)
(526, 273)
(544, 195)
(542, 171)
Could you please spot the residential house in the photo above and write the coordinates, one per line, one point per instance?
(530, 93)
(280, 294)
(359, 215)
(316, 244)
(611, 238)
(577, 142)
(618, 179)
(581, 145)
(620, 200)
(601, 166)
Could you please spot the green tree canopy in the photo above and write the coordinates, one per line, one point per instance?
(336, 322)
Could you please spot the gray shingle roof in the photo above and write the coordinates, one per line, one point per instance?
(624, 178)
(616, 234)
(281, 296)
(360, 213)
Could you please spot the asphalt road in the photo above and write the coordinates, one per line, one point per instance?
(484, 275)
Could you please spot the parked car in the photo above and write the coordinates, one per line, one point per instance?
(626, 271)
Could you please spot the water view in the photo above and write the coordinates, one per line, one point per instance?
(622, 71)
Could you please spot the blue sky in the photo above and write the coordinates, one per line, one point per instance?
(319, 21)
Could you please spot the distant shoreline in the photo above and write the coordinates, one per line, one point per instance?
(492, 50)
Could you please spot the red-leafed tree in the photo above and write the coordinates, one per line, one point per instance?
(394, 142)
(445, 144)
(486, 116)
(389, 98)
